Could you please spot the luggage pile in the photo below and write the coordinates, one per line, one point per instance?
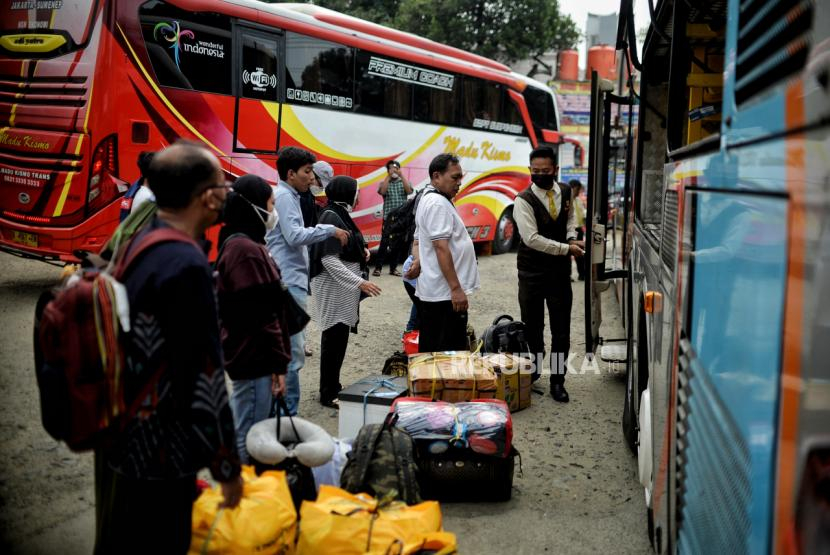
(287, 507)
(376, 489)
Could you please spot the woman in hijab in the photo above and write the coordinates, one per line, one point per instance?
(254, 338)
(337, 284)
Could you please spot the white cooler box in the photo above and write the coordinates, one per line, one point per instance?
(368, 402)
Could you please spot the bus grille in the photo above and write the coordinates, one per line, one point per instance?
(773, 43)
(60, 91)
(713, 467)
(668, 243)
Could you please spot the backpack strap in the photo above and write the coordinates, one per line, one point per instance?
(142, 243)
(404, 461)
(498, 319)
(364, 452)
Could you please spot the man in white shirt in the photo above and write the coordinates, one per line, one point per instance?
(447, 261)
(545, 217)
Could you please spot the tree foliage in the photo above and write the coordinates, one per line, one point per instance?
(505, 30)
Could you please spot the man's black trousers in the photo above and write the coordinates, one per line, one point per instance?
(388, 252)
(534, 294)
(442, 329)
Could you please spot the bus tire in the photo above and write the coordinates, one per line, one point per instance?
(506, 232)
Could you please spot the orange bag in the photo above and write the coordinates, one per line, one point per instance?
(340, 523)
(264, 522)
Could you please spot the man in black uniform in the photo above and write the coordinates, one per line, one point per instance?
(545, 217)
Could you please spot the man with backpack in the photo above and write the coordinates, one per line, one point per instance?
(545, 217)
(394, 189)
(178, 420)
(445, 264)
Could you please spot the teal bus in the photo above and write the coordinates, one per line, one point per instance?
(724, 271)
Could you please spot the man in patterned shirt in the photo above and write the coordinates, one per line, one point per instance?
(145, 480)
(394, 190)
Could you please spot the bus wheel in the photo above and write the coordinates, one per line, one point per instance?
(505, 232)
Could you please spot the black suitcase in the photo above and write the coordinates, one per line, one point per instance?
(464, 475)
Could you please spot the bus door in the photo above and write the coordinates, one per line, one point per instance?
(258, 74)
(608, 146)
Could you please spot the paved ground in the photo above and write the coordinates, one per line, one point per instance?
(577, 491)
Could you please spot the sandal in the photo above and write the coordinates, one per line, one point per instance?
(332, 404)
(376, 273)
(394, 273)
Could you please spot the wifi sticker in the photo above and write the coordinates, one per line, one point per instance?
(259, 79)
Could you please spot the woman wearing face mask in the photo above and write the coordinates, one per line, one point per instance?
(337, 283)
(254, 338)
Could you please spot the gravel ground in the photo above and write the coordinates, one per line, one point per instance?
(577, 491)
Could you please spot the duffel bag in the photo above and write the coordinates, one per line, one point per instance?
(340, 523)
(265, 520)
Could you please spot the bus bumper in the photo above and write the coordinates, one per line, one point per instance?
(59, 243)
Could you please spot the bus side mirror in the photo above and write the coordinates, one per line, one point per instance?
(577, 156)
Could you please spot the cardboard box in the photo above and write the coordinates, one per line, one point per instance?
(452, 376)
(367, 402)
(514, 379)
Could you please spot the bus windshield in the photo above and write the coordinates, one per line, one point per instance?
(68, 19)
(541, 108)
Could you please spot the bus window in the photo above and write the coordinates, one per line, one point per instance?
(509, 111)
(384, 87)
(318, 72)
(188, 50)
(480, 103)
(540, 106)
(434, 106)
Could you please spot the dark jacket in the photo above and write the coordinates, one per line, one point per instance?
(174, 367)
(253, 318)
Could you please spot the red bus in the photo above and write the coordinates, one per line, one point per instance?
(86, 85)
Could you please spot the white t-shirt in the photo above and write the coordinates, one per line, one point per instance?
(436, 218)
(141, 196)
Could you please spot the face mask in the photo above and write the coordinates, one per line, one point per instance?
(543, 181)
(270, 219)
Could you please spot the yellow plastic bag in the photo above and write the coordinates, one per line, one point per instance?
(264, 522)
(340, 523)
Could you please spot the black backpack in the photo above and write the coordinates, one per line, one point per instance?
(400, 222)
(382, 463)
(505, 335)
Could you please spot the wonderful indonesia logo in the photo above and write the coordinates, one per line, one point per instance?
(173, 34)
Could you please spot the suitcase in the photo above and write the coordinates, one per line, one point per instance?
(464, 475)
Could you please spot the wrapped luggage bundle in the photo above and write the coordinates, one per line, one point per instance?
(343, 523)
(465, 449)
(453, 377)
(483, 426)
